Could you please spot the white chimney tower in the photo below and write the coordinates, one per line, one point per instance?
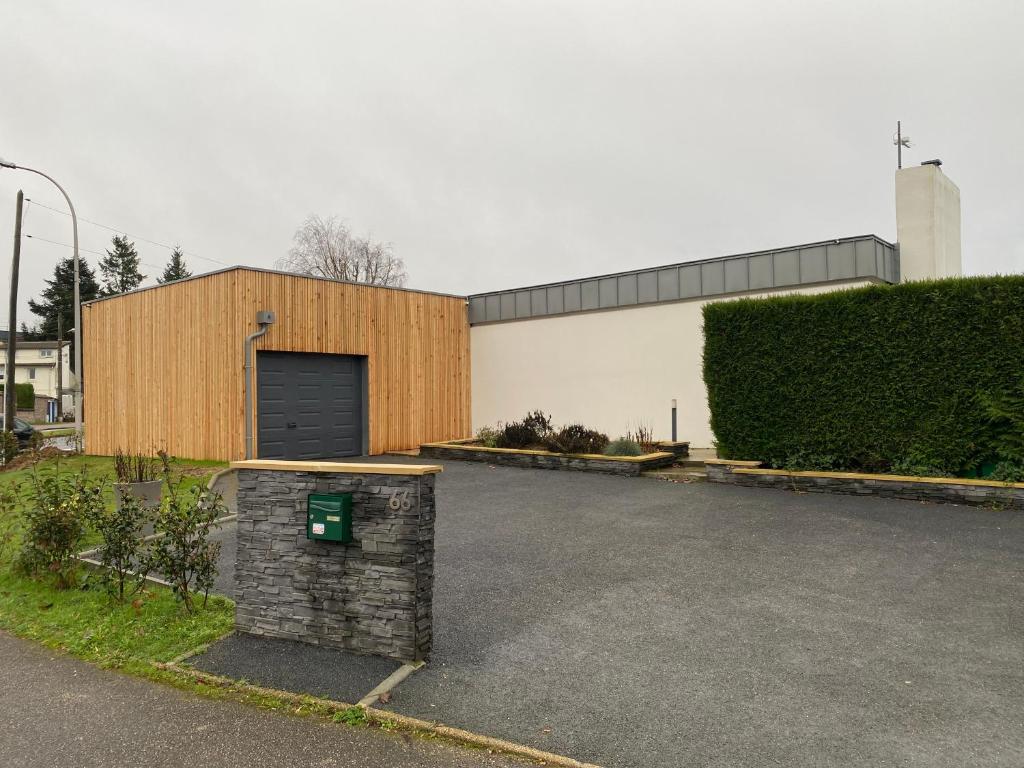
(927, 222)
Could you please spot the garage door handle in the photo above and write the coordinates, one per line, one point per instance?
(291, 425)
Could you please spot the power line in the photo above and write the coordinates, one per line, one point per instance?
(118, 231)
(86, 250)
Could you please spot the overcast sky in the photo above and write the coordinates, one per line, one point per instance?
(499, 144)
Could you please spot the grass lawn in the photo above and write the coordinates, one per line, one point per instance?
(86, 622)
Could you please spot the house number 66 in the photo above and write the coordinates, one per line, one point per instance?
(400, 501)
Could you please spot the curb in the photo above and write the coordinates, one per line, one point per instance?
(381, 717)
(475, 739)
(199, 649)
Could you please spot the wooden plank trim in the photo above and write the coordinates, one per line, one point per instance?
(338, 467)
(883, 478)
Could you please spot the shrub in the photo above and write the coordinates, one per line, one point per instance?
(532, 430)
(873, 377)
(24, 396)
(121, 550)
(539, 422)
(516, 434)
(488, 436)
(8, 446)
(575, 438)
(1008, 472)
(1005, 412)
(135, 467)
(644, 436)
(58, 506)
(184, 553)
(624, 447)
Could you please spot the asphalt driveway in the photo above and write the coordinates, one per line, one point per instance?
(633, 622)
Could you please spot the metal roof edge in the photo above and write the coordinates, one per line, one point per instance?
(833, 241)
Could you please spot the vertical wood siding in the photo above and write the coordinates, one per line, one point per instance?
(164, 367)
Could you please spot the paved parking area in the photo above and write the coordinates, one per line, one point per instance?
(633, 622)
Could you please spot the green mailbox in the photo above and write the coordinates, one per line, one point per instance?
(329, 517)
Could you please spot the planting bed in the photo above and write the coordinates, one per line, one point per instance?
(630, 466)
(942, 490)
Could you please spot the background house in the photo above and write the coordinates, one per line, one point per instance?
(36, 363)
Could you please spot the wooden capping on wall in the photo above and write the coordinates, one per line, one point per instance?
(164, 366)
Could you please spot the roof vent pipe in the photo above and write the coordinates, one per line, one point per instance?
(264, 319)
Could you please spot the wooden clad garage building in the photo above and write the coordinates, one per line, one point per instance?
(346, 369)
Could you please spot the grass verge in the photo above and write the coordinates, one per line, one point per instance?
(86, 622)
(89, 625)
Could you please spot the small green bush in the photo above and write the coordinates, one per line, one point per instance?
(576, 438)
(8, 446)
(488, 436)
(24, 396)
(1008, 472)
(58, 507)
(183, 553)
(1005, 412)
(624, 447)
(125, 565)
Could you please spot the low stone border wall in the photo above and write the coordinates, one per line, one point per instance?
(629, 466)
(678, 449)
(941, 490)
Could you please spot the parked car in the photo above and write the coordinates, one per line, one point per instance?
(22, 430)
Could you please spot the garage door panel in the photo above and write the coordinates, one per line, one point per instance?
(309, 406)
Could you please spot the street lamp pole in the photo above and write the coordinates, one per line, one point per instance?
(78, 298)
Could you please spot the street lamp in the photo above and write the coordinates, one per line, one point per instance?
(78, 298)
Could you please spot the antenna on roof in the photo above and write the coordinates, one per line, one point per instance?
(900, 141)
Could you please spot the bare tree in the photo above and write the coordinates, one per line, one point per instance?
(326, 248)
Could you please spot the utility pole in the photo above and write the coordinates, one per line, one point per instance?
(10, 404)
(78, 298)
(60, 366)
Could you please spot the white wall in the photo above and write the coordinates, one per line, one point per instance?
(927, 223)
(610, 370)
(45, 382)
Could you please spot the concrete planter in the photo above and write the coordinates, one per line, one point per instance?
(629, 466)
(149, 492)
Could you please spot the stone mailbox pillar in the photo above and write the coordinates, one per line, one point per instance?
(371, 595)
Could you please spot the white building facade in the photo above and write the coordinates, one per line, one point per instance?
(36, 363)
(613, 352)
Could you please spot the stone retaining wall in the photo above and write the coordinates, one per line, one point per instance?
(628, 466)
(373, 595)
(933, 489)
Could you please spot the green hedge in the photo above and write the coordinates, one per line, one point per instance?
(926, 375)
(24, 396)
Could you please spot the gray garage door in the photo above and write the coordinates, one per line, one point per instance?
(308, 406)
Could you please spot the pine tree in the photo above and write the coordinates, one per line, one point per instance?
(175, 269)
(30, 332)
(120, 268)
(58, 298)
